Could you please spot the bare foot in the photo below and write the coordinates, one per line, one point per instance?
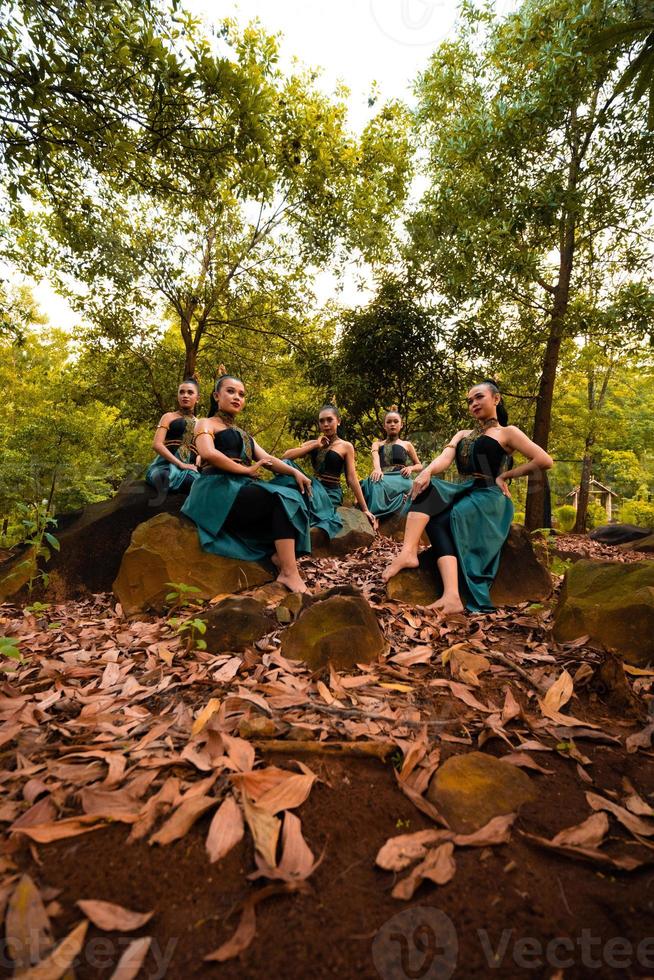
(403, 560)
(293, 582)
(447, 605)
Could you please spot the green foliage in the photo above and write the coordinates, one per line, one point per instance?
(639, 512)
(191, 631)
(10, 648)
(182, 596)
(638, 77)
(565, 517)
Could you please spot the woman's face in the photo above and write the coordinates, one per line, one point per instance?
(392, 425)
(327, 423)
(187, 396)
(482, 402)
(230, 397)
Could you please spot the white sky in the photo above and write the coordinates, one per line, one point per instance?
(356, 42)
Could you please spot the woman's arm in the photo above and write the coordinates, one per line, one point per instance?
(417, 465)
(376, 474)
(204, 443)
(354, 485)
(159, 443)
(537, 458)
(277, 466)
(299, 451)
(438, 465)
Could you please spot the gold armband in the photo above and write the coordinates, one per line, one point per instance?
(203, 432)
(450, 445)
(165, 427)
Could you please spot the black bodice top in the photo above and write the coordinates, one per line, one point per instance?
(486, 458)
(332, 464)
(180, 438)
(230, 442)
(393, 456)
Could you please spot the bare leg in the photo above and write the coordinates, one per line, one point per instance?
(450, 601)
(289, 574)
(408, 556)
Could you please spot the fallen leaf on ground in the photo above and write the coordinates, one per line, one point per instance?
(55, 965)
(439, 866)
(264, 828)
(182, 819)
(28, 926)
(275, 789)
(113, 918)
(401, 851)
(132, 959)
(586, 854)
(247, 927)
(627, 819)
(557, 695)
(496, 831)
(590, 833)
(60, 829)
(226, 829)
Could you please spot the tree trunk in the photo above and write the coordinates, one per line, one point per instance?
(584, 489)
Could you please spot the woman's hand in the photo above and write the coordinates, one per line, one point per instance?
(303, 483)
(406, 471)
(376, 475)
(420, 483)
(501, 483)
(186, 466)
(374, 523)
(320, 442)
(253, 470)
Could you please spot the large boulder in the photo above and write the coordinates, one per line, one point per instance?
(521, 576)
(16, 569)
(355, 533)
(645, 545)
(613, 603)
(166, 549)
(94, 539)
(619, 533)
(235, 623)
(342, 630)
(471, 789)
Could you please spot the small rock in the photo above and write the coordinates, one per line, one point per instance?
(355, 533)
(521, 577)
(342, 630)
(165, 549)
(471, 789)
(613, 603)
(235, 623)
(646, 545)
(291, 606)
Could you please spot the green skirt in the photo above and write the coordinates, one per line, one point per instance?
(388, 495)
(163, 475)
(210, 502)
(480, 521)
(322, 509)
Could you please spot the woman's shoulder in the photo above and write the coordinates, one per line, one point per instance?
(344, 445)
(207, 425)
(169, 417)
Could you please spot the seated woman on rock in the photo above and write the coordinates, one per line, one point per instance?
(175, 467)
(330, 457)
(393, 460)
(237, 514)
(467, 523)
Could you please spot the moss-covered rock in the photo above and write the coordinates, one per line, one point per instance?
(342, 630)
(521, 576)
(471, 789)
(235, 623)
(646, 545)
(612, 602)
(165, 549)
(355, 533)
(16, 571)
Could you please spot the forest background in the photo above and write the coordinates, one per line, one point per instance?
(184, 192)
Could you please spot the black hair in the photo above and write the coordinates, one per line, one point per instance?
(330, 408)
(500, 408)
(393, 410)
(190, 381)
(213, 406)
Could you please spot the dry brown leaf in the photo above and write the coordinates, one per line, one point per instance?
(465, 664)
(627, 819)
(181, 821)
(275, 789)
(511, 709)
(60, 829)
(636, 804)
(203, 717)
(132, 959)
(28, 927)
(590, 854)
(409, 658)
(525, 761)
(297, 861)
(113, 918)
(496, 831)
(641, 740)
(557, 695)
(264, 828)
(240, 752)
(401, 851)
(226, 829)
(439, 866)
(55, 965)
(590, 833)
(461, 691)
(247, 927)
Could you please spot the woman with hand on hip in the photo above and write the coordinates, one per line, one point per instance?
(394, 461)
(467, 523)
(237, 514)
(175, 467)
(330, 457)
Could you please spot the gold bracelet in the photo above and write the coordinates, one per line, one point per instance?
(165, 427)
(204, 432)
(450, 446)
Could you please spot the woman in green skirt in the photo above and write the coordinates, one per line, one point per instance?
(175, 468)
(393, 460)
(331, 457)
(237, 514)
(467, 523)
